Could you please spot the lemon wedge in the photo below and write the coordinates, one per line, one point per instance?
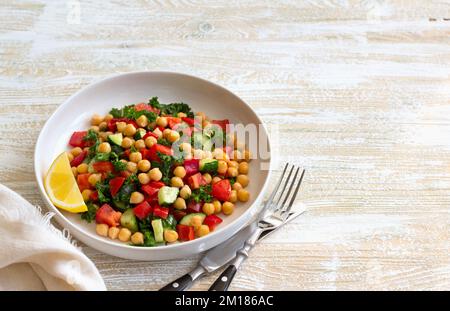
(62, 187)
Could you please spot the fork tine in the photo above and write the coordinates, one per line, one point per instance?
(277, 206)
(272, 195)
(294, 195)
(289, 190)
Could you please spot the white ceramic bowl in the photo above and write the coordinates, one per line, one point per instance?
(117, 91)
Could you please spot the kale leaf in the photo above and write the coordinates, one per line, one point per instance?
(202, 194)
(89, 216)
(171, 109)
(130, 112)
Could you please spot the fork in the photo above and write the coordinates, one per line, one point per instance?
(275, 212)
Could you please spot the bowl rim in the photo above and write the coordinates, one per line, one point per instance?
(64, 222)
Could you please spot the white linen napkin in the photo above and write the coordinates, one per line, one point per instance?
(34, 255)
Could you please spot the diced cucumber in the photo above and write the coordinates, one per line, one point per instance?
(167, 195)
(128, 220)
(186, 220)
(209, 165)
(158, 230)
(120, 205)
(116, 139)
(139, 134)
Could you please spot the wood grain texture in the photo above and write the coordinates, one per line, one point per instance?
(360, 91)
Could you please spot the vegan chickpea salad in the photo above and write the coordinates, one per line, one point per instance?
(151, 174)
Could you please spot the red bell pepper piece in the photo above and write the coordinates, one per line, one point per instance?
(185, 233)
(148, 134)
(142, 210)
(149, 190)
(115, 184)
(191, 166)
(107, 215)
(189, 121)
(222, 123)
(94, 196)
(212, 221)
(196, 180)
(77, 139)
(178, 214)
(159, 211)
(221, 190)
(83, 181)
(103, 166)
(194, 207)
(173, 121)
(156, 184)
(78, 159)
(144, 106)
(112, 123)
(153, 151)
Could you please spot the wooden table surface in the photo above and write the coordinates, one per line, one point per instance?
(360, 90)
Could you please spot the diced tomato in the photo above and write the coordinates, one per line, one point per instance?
(94, 196)
(126, 154)
(153, 151)
(212, 221)
(76, 140)
(178, 214)
(191, 166)
(196, 180)
(194, 207)
(148, 134)
(83, 181)
(103, 166)
(142, 210)
(189, 121)
(222, 123)
(221, 190)
(156, 184)
(185, 233)
(149, 190)
(173, 121)
(78, 159)
(159, 211)
(115, 184)
(125, 174)
(144, 106)
(107, 215)
(112, 123)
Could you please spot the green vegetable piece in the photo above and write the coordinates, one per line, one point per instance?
(128, 220)
(116, 139)
(209, 165)
(167, 195)
(158, 230)
(139, 134)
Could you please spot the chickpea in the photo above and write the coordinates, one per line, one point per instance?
(142, 121)
(108, 117)
(113, 232)
(127, 142)
(158, 132)
(161, 121)
(202, 231)
(222, 167)
(233, 196)
(217, 206)
(103, 126)
(205, 123)
(208, 208)
(177, 182)
(201, 115)
(243, 195)
(70, 156)
(166, 133)
(232, 172)
(121, 126)
(155, 174)
(207, 177)
(130, 130)
(137, 238)
(243, 180)
(76, 151)
(124, 234)
(197, 153)
(179, 171)
(247, 155)
(237, 186)
(228, 208)
(95, 128)
(173, 136)
(181, 115)
(94, 179)
(131, 167)
(143, 178)
(82, 168)
(179, 203)
(104, 148)
(144, 165)
(139, 144)
(233, 164)
(243, 168)
(136, 197)
(170, 236)
(196, 221)
(96, 119)
(102, 229)
(150, 141)
(86, 194)
(186, 147)
(185, 192)
(216, 179)
(218, 153)
(135, 157)
(74, 171)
